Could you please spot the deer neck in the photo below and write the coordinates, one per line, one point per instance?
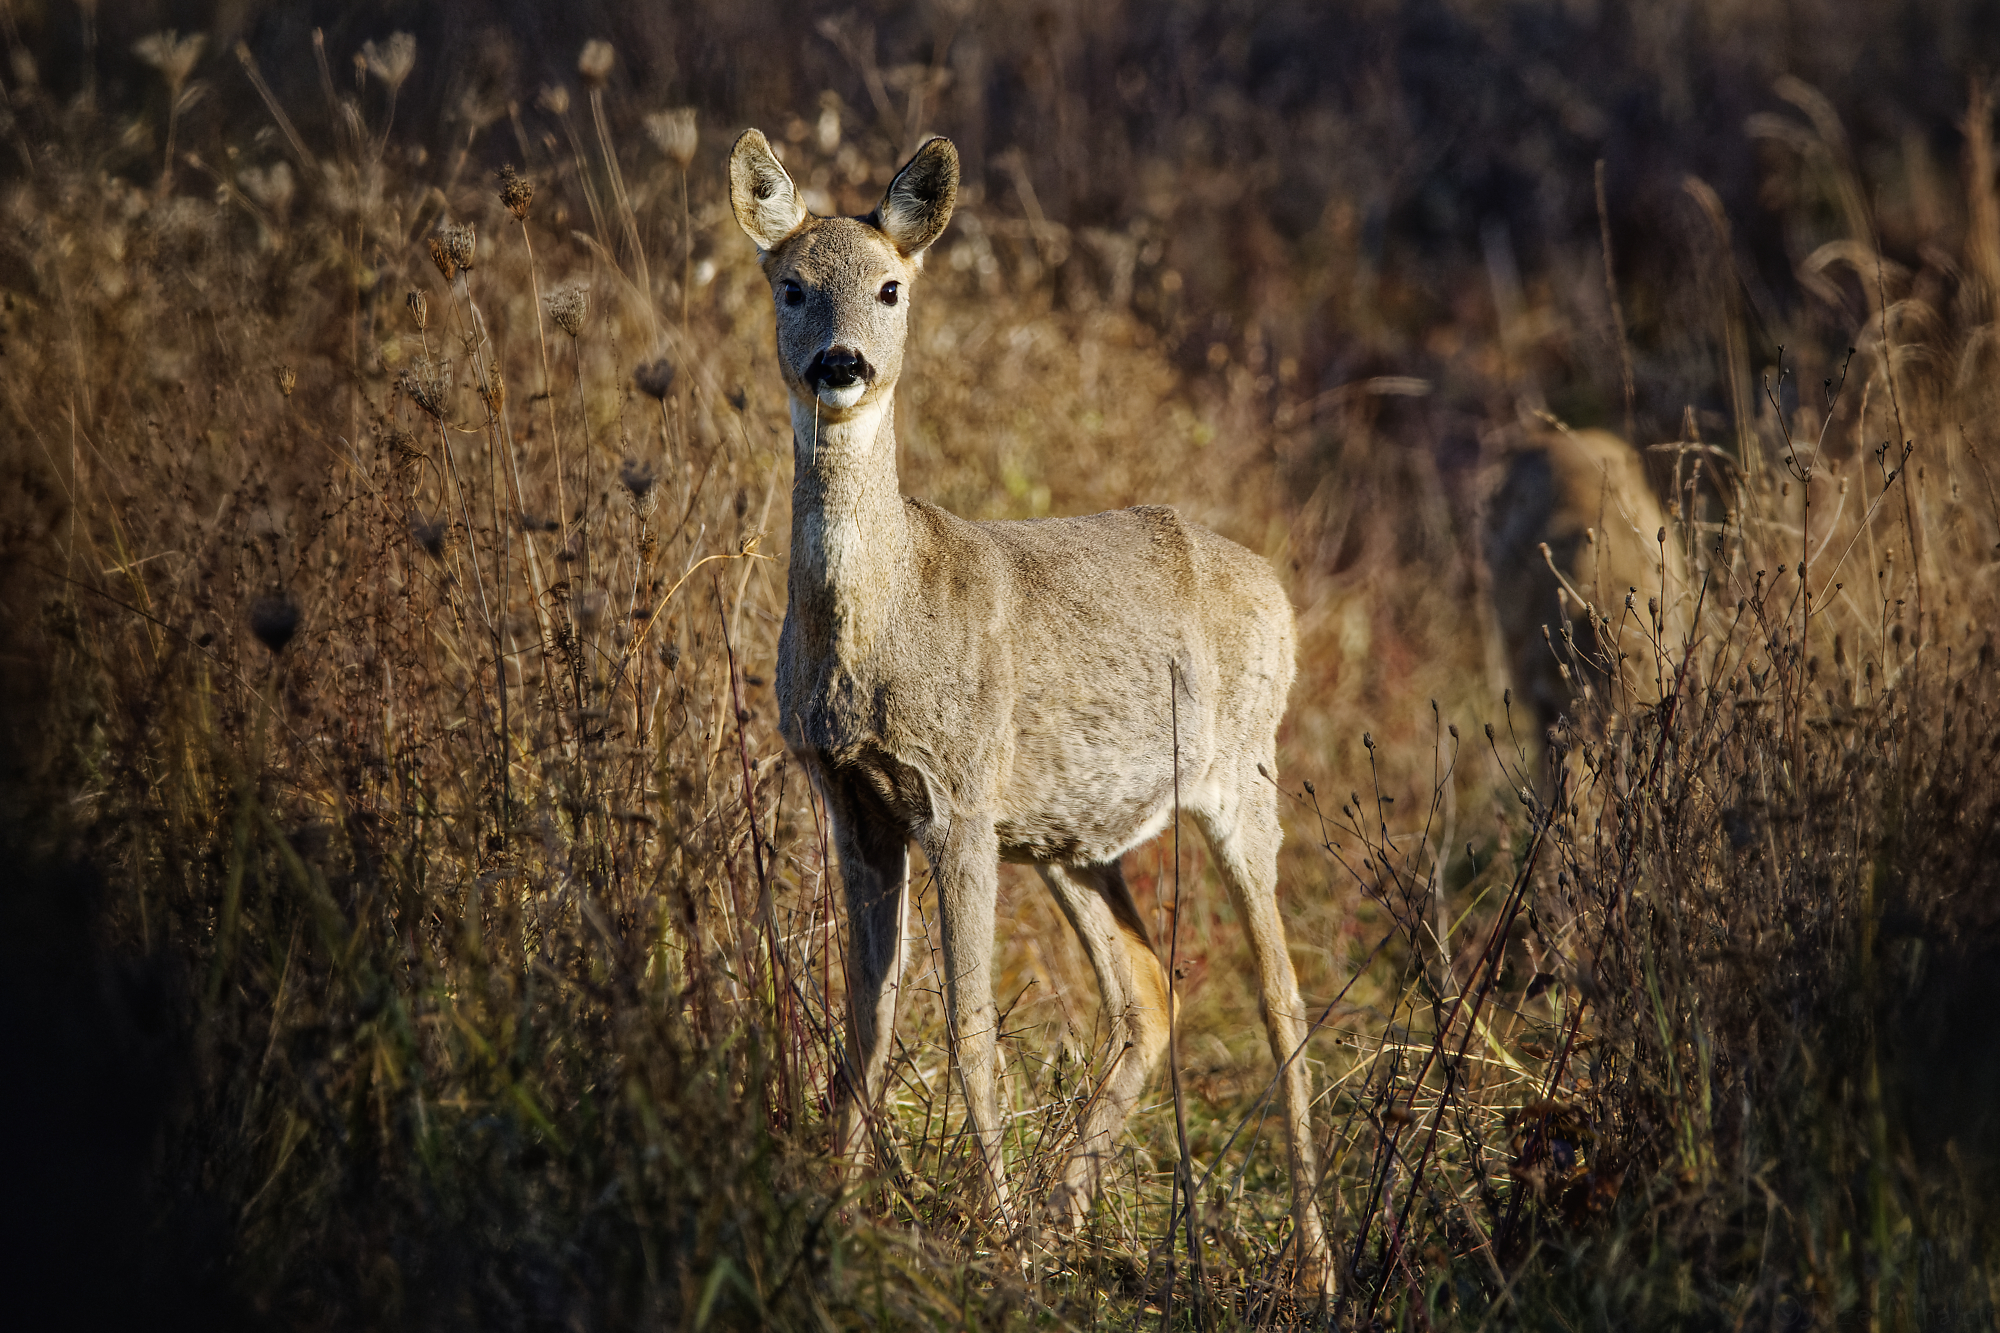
(850, 532)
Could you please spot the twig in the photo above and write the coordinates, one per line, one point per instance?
(1184, 1170)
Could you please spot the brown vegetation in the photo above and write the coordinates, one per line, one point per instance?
(418, 921)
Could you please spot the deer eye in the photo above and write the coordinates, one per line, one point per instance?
(888, 293)
(792, 292)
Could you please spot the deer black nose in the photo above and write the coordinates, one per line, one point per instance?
(838, 368)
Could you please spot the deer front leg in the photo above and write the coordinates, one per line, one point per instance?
(965, 857)
(874, 872)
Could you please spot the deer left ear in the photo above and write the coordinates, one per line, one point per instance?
(918, 205)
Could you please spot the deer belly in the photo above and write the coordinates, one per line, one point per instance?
(1086, 823)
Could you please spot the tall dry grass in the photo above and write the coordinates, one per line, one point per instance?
(438, 934)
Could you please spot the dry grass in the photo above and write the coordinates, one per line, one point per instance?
(421, 869)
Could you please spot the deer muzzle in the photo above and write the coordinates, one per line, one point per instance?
(839, 375)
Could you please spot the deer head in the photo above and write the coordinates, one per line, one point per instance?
(841, 285)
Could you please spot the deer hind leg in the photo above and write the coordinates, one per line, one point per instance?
(875, 874)
(965, 857)
(1244, 835)
(1137, 1003)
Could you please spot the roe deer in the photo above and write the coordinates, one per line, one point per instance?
(1573, 539)
(999, 691)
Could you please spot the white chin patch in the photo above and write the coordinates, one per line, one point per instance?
(843, 399)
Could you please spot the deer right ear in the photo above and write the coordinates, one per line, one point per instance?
(766, 203)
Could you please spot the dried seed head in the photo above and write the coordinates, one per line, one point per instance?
(427, 382)
(636, 477)
(404, 446)
(274, 619)
(655, 378)
(567, 305)
(287, 379)
(494, 391)
(673, 130)
(461, 242)
(428, 533)
(272, 187)
(594, 63)
(391, 61)
(420, 309)
(516, 192)
(442, 258)
(554, 99)
(171, 54)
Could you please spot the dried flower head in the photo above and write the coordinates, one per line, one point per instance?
(461, 242)
(287, 379)
(636, 477)
(272, 187)
(441, 256)
(516, 192)
(655, 378)
(494, 391)
(554, 99)
(567, 306)
(673, 130)
(594, 63)
(420, 309)
(391, 61)
(171, 54)
(428, 533)
(274, 619)
(427, 382)
(404, 446)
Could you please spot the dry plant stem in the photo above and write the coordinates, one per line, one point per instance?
(583, 180)
(1490, 963)
(687, 254)
(659, 607)
(292, 140)
(472, 558)
(548, 380)
(475, 327)
(1184, 1168)
(1617, 311)
(766, 904)
(1911, 538)
(624, 202)
(589, 458)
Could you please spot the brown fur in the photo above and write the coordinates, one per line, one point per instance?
(1583, 495)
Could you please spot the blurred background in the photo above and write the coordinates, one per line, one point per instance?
(1313, 193)
(1298, 268)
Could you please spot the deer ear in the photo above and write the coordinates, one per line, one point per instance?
(766, 203)
(919, 202)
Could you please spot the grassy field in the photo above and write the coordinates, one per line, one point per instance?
(417, 922)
